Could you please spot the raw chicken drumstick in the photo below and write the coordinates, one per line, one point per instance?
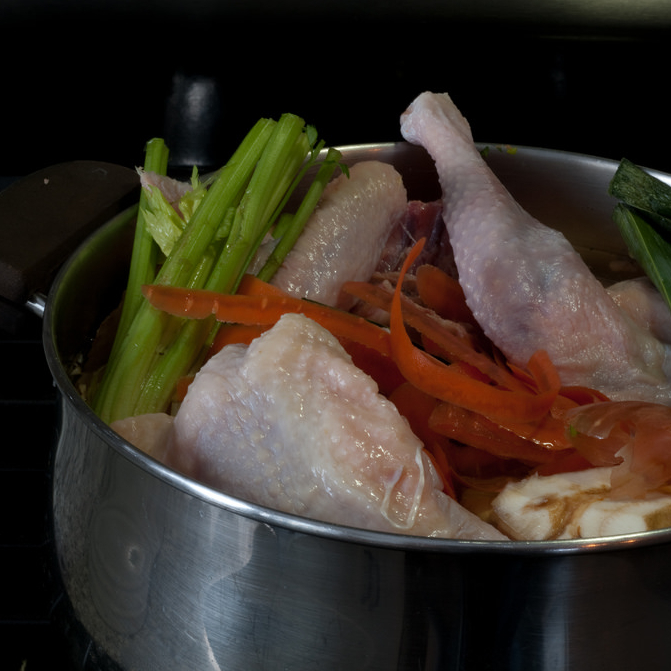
(526, 285)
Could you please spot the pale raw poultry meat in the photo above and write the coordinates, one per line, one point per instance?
(641, 300)
(524, 282)
(290, 423)
(345, 236)
(421, 220)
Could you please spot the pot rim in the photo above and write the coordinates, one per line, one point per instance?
(290, 521)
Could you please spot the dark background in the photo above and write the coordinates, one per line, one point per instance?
(97, 83)
(83, 83)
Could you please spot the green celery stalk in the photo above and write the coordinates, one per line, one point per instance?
(147, 337)
(266, 193)
(274, 174)
(188, 347)
(145, 251)
(224, 193)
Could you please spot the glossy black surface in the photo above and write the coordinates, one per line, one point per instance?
(86, 81)
(29, 591)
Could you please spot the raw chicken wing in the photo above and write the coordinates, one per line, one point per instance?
(290, 423)
(345, 235)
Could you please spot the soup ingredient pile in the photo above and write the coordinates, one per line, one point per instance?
(485, 385)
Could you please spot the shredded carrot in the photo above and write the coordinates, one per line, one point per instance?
(446, 339)
(473, 429)
(551, 430)
(230, 334)
(250, 285)
(583, 395)
(543, 373)
(266, 310)
(483, 420)
(567, 461)
(376, 364)
(443, 294)
(416, 406)
(448, 384)
(472, 467)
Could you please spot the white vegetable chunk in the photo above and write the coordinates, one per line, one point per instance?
(575, 505)
(290, 423)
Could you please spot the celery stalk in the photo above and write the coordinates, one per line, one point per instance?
(266, 193)
(143, 342)
(224, 193)
(239, 209)
(144, 253)
(274, 174)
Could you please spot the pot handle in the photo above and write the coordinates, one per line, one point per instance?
(44, 217)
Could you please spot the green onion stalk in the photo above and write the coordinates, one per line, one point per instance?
(643, 217)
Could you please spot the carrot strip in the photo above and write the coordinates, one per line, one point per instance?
(471, 428)
(448, 384)
(372, 362)
(241, 334)
(250, 285)
(265, 310)
(416, 406)
(443, 294)
(543, 373)
(442, 336)
(552, 429)
(471, 371)
(568, 461)
(472, 467)
(582, 395)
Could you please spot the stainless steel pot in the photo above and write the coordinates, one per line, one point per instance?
(164, 573)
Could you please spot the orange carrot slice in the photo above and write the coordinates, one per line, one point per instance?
(443, 294)
(473, 429)
(445, 339)
(448, 384)
(263, 310)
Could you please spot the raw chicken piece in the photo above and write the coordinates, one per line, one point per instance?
(640, 299)
(290, 423)
(345, 236)
(421, 220)
(575, 505)
(525, 284)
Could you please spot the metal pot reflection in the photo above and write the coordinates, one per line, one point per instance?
(163, 573)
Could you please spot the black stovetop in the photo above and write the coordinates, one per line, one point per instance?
(29, 588)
